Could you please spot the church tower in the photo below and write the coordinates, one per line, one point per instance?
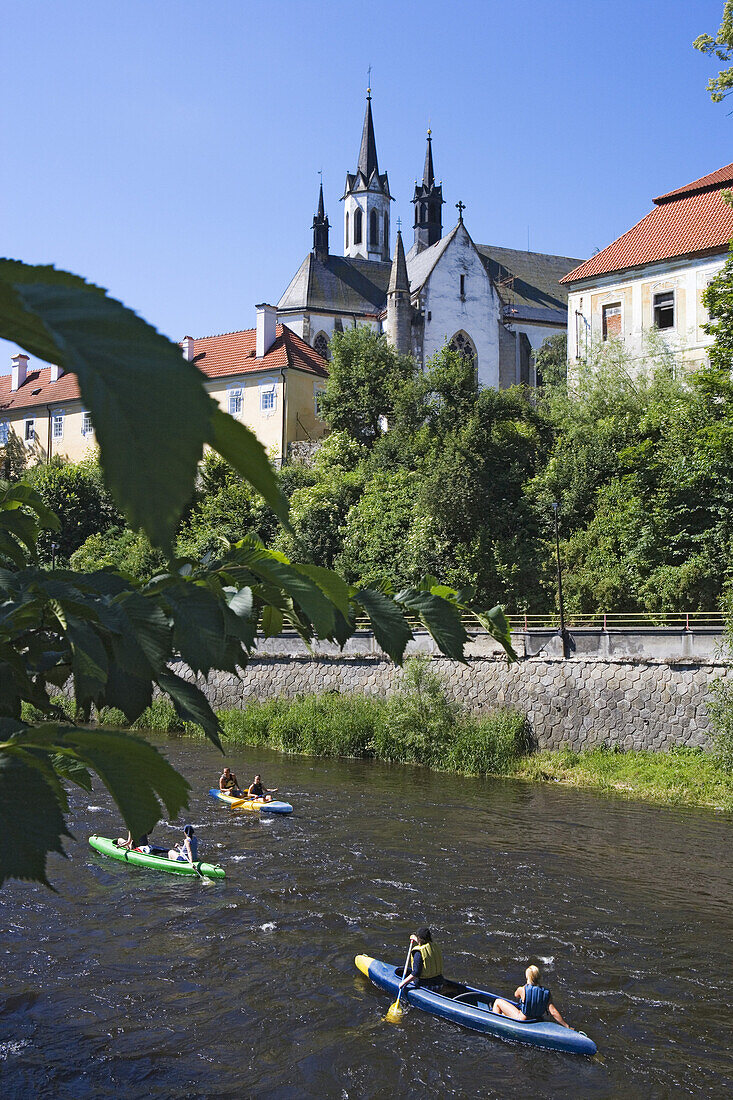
(428, 202)
(398, 322)
(366, 200)
(320, 230)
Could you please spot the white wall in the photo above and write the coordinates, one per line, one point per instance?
(478, 315)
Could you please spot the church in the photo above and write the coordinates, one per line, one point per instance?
(494, 305)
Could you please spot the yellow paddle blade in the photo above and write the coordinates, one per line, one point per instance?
(394, 1012)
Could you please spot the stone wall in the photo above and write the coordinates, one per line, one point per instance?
(633, 702)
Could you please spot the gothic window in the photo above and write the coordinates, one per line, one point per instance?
(346, 235)
(357, 226)
(373, 229)
(464, 345)
(386, 234)
(320, 344)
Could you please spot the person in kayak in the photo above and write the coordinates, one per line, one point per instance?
(535, 999)
(426, 962)
(142, 844)
(228, 783)
(256, 790)
(188, 849)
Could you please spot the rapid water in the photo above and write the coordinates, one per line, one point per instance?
(131, 983)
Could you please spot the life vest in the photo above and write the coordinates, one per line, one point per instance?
(432, 961)
(229, 783)
(536, 1000)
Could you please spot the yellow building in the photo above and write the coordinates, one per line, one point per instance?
(267, 377)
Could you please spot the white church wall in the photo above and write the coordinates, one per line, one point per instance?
(476, 312)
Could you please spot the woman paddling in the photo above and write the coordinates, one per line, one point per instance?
(535, 999)
(256, 790)
(426, 960)
(188, 849)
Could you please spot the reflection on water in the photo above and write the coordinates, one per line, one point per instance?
(131, 983)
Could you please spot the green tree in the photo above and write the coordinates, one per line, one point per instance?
(365, 375)
(120, 549)
(720, 47)
(551, 360)
(76, 494)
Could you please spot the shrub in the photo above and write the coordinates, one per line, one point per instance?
(491, 745)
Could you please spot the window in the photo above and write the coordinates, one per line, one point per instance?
(268, 396)
(235, 402)
(464, 345)
(317, 398)
(30, 431)
(320, 344)
(4, 432)
(612, 320)
(346, 234)
(373, 229)
(664, 309)
(57, 429)
(463, 286)
(386, 233)
(86, 423)
(357, 226)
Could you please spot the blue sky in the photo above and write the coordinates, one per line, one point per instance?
(169, 149)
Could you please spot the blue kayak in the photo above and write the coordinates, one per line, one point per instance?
(469, 1007)
(251, 805)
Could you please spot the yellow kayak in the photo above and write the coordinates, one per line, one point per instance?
(251, 805)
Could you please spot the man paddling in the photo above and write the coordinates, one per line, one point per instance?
(256, 790)
(228, 784)
(427, 962)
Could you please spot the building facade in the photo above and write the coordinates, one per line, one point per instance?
(267, 377)
(653, 277)
(491, 303)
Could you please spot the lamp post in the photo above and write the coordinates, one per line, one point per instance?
(563, 632)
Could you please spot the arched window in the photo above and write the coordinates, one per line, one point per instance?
(346, 234)
(464, 345)
(320, 344)
(357, 226)
(373, 229)
(386, 234)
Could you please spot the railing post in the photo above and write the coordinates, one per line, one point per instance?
(687, 622)
(605, 627)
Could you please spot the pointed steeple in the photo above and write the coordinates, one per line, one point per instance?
(320, 229)
(368, 151)
(428, 176)
(398, 279)
(428, 200)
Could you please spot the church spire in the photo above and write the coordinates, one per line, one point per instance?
(368, 151)
(398, 321)
(320, 229)
(428, 201)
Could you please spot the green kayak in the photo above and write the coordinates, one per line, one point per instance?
(157, 859)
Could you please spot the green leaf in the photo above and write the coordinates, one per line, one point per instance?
(191, 704)
(198, 627)
(244, 452)
(391, 630)
(331, 584)
(272, 621)
(150, 446)
(30, 827)
(441, 618)
(496, 624)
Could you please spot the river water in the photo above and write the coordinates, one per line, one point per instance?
(131, 983)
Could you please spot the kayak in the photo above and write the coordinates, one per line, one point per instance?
(469, 1007)
(251, 805)
(157, 859)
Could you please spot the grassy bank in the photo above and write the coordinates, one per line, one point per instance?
(419, 725)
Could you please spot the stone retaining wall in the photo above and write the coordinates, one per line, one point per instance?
(576, 703)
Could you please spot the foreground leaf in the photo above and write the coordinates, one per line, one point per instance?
(30, 827)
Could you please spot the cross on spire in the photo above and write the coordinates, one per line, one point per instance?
(369, 82)
(399, 225)
(460, 207)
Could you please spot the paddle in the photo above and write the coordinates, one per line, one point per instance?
(395, 1010)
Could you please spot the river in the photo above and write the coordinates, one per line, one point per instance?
(131, 983)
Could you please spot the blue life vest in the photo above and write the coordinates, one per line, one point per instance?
(194, 840)
(536, 1000)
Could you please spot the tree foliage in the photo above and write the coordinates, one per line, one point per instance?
(720, 47)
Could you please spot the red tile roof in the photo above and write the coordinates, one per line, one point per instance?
(38, 389)
(693, 220)
(216, 357)
(234, 353)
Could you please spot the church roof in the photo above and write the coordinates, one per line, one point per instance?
(693, 220)
(398, 279)
(529, 282)
(233, 353)
(420, 264)
(337, 283)
(38, 389)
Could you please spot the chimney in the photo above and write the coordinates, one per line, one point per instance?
(19, 371)
(187, 344)
(266, 329)
(56, 372)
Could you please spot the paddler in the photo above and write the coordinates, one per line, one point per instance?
(534, 998)
(188, 849)
(426, 962)
(228, 784)
(142, 844)
(256, 790)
